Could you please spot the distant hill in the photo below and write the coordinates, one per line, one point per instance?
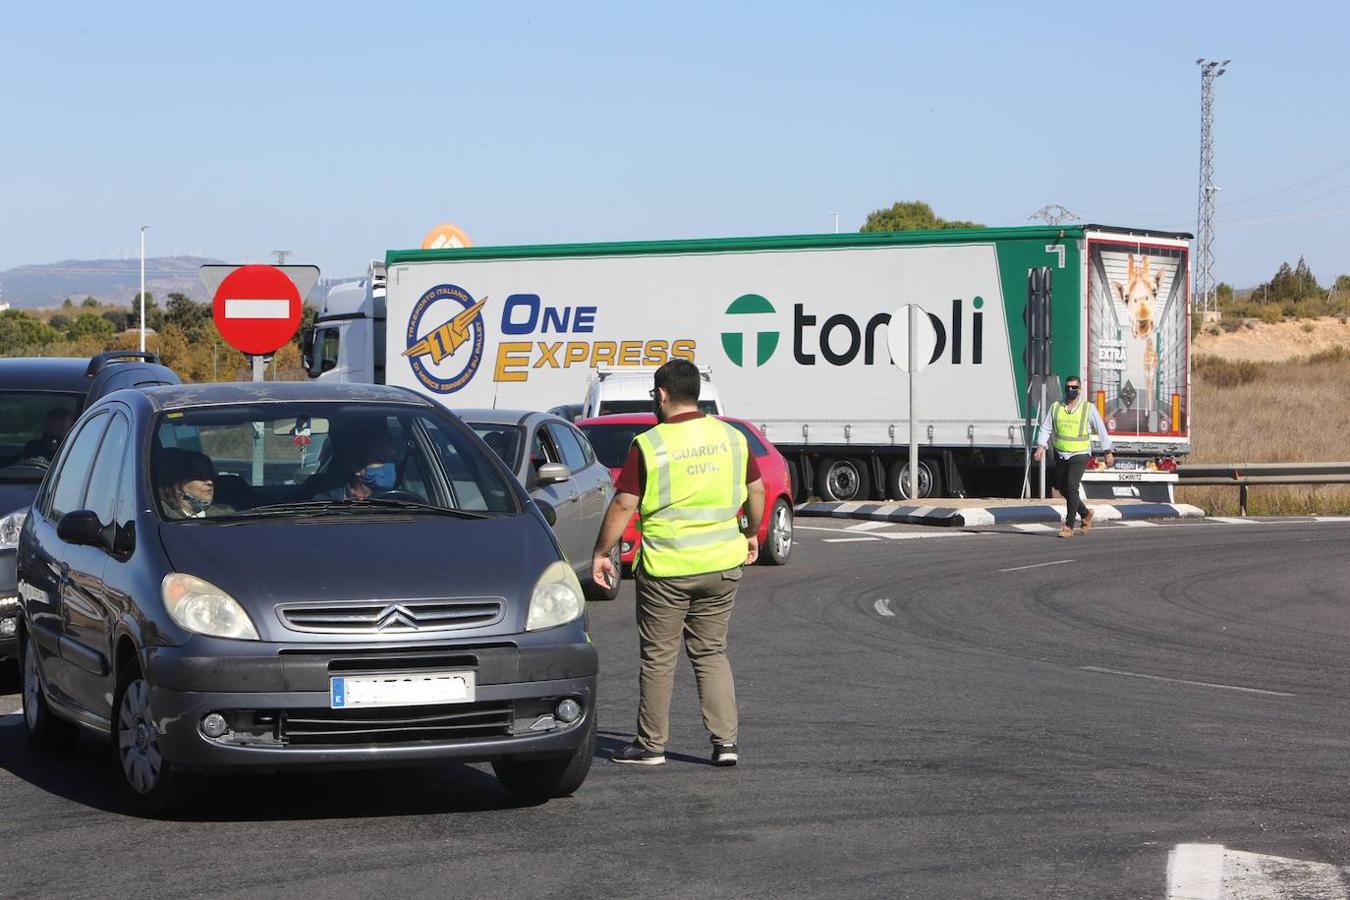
(110, 281)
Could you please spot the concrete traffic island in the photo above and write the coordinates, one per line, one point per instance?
(960, 512)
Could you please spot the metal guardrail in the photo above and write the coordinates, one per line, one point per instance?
(1243, 475)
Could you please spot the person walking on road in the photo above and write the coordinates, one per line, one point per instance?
(688, 478)
(1067, 424)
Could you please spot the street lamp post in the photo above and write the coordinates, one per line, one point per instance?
(143, 227)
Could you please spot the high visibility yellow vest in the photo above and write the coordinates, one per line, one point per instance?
(692, 499)
(1072, 435)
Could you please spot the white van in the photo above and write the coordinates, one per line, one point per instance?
(613, 390)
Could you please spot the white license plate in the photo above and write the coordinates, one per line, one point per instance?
(420, 689)
(1130, 464)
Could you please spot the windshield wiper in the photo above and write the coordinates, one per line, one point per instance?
(322, 507)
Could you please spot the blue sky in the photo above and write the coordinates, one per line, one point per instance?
(339, 130)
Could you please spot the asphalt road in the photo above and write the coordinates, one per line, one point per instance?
(990, 715)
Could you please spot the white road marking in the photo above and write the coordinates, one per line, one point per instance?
(1034, 526)
(1058, 562)
(1138, 523)
(914, 535)
(847, 540)
(869, 526)
(1331, 518)
(257, 309)
(1232, 520)
(1212, 871)
(1208, 684)
(1195, 872)
(797, 526)
(882, 608)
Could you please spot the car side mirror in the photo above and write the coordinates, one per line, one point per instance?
(80, 527)
(550, 514)
(552, 473)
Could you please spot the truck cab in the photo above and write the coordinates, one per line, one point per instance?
(346, 342)
(622, 390)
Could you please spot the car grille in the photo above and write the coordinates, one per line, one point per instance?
(401, 725)
(391, 617)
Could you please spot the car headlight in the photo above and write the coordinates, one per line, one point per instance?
(10, 526)
(556, 599)
(202, 608)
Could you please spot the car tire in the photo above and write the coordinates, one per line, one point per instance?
(596, 591)
(46, 730)
(537, 780)
(897, 479)
(778, 544)
(843, 478)
(153, 786)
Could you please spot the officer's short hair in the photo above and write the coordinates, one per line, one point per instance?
(679, 378)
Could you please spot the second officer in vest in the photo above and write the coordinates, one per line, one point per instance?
(688, 478)
(1068, 425)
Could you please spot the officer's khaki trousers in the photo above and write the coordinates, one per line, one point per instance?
(697, 608)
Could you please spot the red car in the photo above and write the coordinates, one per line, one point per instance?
(611, 436)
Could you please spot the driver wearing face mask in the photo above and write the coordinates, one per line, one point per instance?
(190, 492)
(374, 471)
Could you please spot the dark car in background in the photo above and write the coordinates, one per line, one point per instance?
(39, 402)
(204, 588)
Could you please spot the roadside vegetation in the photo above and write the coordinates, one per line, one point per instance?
(1270, 412)
(184, 336)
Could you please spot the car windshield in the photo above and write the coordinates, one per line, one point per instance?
(32, 425)
(611, 441)
(505, 441)
(627, 407)
(277, 459)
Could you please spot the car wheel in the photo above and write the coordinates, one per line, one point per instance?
(601, 592)
(154, 786)
(45, 730)
(534, 781)
(897, 479)
(778, 546)
(843, 478)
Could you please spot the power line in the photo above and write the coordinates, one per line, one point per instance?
(1204, 230)
(1054, 214)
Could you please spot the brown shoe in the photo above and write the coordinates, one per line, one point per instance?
(1066, 532)
(1087, 520)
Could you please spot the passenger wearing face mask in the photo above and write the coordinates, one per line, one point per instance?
(1067, 423)
(189, 491)
(373, 473)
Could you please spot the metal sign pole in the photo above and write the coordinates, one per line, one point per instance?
(913, 417)
(1049, 450)
(259, 428)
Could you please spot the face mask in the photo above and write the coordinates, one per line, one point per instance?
(1070, 393)
(381, 477)
(196, 504)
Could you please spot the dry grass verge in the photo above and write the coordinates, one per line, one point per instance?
(1295, 411)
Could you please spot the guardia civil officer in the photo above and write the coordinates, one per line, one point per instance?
(688, 478)
(1066, 425)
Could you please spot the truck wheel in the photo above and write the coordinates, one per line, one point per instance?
(778, 545)
(843, 478)
(45, 730)
(534, 781)
(795, 485)
(897, 479)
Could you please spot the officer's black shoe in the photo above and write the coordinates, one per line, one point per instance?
(635, 754)
(725, 755)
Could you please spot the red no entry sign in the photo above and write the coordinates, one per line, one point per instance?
(257, 309)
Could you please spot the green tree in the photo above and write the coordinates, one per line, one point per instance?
(1342, 283)
(59, 322)
(90, 325)
(67, 304)
(193, 318)
(1223, 294)
(23, 335)
(912, 215)
(89, 303)
(120, 320)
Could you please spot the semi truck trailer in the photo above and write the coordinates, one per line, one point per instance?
(793, 331)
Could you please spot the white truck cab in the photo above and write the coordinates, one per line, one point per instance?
(614, 390)
(346, 342)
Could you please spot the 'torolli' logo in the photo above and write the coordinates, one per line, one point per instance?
(766, 342)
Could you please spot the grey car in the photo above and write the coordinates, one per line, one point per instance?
(202, 584)
(555, 463)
